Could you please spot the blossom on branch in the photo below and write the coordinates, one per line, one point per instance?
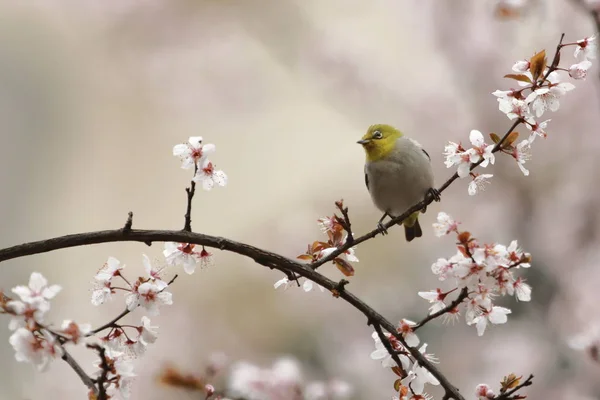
(192, 151)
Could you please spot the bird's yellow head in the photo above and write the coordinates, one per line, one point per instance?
(379, 141)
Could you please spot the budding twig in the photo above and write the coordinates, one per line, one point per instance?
(464, 293)
(190, 195)
(128, 223)
(508, 395)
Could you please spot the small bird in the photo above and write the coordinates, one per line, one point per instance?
(398, 175)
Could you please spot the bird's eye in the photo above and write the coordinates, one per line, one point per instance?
(377, 135)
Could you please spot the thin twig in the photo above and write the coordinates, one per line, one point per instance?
(508, 395)
(190, 195)
(85, 378)
(129, 223)
(464, 293)
(386, 343)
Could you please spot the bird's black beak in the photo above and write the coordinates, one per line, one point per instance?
(364, 141)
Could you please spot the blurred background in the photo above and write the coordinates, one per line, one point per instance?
(94, 94)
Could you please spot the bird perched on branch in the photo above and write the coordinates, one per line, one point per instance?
(398, 175)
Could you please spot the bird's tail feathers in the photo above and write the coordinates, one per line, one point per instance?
(412, 228)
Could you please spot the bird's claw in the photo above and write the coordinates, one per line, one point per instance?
(382, 229)
(435, 194)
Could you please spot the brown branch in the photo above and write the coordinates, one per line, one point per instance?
(509, 394)
(129, 223)
(260, 256)
(464, 293)
(103, 378)
(85, 378)
(190, 195)
(388, 347)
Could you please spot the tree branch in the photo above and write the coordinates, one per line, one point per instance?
(260, 256)
(388, 347)
(508, 395)
(85, 378)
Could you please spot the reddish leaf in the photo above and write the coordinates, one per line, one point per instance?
(510, 382)
(510, 139)
(537, 64)
(344, 266)
(305, 257)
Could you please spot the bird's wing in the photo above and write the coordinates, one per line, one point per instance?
(366, 178)
(426, 153)
(421, 147)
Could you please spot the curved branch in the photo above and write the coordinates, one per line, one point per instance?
(260, 256)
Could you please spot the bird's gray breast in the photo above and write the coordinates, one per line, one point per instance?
(400, 180)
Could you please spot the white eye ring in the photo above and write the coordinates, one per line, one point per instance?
(377, 135)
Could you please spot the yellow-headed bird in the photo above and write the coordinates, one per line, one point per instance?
(398, 175)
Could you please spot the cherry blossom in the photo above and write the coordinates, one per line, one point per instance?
(420, 376)
(38, 348)
(148, 333)
(522, 153)
(382, 354)
(192, 152)
(579, 70)
(308, 285)
(444, 225)
(282, 381)
(38, 289)
(405, 328)
(514, 108)
(479, 182)
(285, 282)
(184, 254)
(537, 129)
(153, 273)
(208, 176)
(547, 97)
(497, 315)
(521, 66)
(484, 392)
(149, 296)
(75, 331)
(335, 389)
(436, 297)
(586, 46)
(103, 280)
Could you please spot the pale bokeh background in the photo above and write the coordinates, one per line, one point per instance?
(93, 95)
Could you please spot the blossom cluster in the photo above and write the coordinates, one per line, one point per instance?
(194, 154)
(282, 381)
(337, 236)
(541, 88)
(413, 377)
(484, 270)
